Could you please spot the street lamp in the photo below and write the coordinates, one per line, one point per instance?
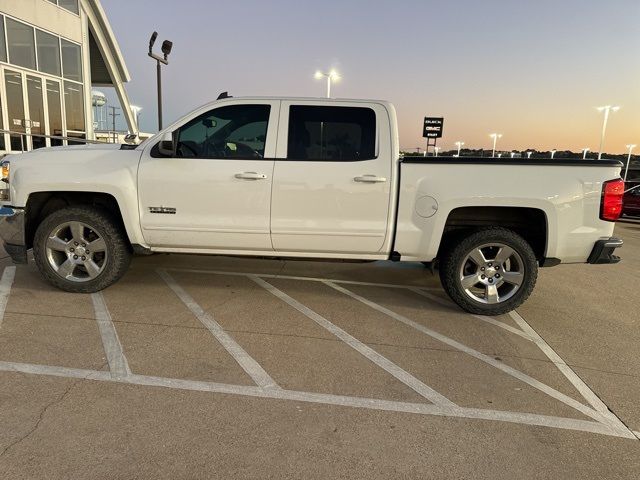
(459, 144)
(166, 50)
(606, 109)
(584, 152)
(626, 170)
(330, 76)
(495, 137)
(529, 154)
(553, 153)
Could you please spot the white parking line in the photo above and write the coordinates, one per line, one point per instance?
(566, 370)
(248, 364)
(118, 365)
(381, 361)
(485, 319)
(480, 356)
(6, 282)
(120, 373)
(290, 277)
(326, 399)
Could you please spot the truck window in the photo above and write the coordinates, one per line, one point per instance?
(234, 131)
(331, 133)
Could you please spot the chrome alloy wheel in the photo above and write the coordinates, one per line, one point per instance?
(76, 252)
(492, 273)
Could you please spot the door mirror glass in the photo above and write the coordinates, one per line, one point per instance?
(165, 146)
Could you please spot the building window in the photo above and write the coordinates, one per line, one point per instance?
(74, 106)
(71, 61)
(48, 53)
(331, 133)
(3, 46)
(71, 5)
(22, 48)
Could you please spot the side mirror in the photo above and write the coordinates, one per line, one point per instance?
(165, 146)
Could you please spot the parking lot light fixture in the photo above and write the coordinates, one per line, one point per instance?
(630, 147)
(606, 109)
(459, 144)
(495, 137)
(167, 45)
(553, 153)
(331, 76)
(585, 150)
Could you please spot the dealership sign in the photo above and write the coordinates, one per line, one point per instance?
(433, 127)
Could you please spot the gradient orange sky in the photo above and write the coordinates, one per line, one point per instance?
(534, 71)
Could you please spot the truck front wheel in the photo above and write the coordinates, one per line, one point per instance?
(489, 272)
(81, 249)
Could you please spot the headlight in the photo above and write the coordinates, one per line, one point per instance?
(5, 169)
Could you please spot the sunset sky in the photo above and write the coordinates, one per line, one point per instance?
(531, 70)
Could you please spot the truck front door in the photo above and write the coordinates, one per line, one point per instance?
(214, 191)
(332, 178)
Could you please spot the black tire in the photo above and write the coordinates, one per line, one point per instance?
(118, 252)
(455, 260)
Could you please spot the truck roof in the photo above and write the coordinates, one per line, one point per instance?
(306, 99)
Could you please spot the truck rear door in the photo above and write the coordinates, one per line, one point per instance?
(332, 178)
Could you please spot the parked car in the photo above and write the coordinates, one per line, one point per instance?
(631, 200)
(320, 178)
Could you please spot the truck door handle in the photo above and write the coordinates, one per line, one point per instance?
(251, 176)
(370, 179)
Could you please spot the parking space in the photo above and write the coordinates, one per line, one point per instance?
(361, 342)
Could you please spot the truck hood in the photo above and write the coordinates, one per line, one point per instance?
(76, 155)
(71, 148)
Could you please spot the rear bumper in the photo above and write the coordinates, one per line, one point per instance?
(603, 251)
(12, 228)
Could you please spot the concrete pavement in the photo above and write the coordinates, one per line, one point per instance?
(214, 367)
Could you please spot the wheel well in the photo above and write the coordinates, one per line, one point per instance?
(42, 204)
(529, 223)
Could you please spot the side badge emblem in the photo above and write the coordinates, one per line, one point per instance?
(164, 210)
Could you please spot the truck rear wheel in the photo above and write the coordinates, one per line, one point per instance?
(489, 272)
(81, 249)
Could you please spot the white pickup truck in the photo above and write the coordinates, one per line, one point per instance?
(306, 178)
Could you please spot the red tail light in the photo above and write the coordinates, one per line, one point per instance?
(611, 203)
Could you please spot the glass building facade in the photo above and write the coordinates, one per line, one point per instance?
(51, 53)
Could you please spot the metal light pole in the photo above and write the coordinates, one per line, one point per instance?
(330, 76)
(495, 137)
(166, 50)
(606, 109)
(553, 153)
(584, 152)
(626, 170)
(459, 145)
